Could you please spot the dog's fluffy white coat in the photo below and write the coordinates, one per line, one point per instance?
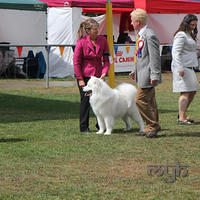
(109, 104)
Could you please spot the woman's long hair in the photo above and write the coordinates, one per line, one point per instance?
(185, 25)
(85, 27)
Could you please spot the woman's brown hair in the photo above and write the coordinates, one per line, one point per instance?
(185, 25)
(85, 26)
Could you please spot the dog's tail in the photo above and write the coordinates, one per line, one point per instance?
(128, 92)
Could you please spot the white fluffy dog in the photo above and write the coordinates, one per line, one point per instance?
(109, 104)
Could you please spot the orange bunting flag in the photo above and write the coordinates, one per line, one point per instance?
(61, 49)
(19, 49)
(127, 49)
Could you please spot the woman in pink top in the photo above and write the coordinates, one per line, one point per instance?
(90, 59)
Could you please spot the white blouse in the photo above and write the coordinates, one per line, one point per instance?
(184, 51)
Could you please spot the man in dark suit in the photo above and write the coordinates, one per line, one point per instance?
(146, 72)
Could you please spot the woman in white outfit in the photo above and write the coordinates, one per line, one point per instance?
(184, 60)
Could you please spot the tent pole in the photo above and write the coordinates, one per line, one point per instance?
(109, 26)
(47, 70)
(47, 51)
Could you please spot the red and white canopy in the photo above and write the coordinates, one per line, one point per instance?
(151, 6)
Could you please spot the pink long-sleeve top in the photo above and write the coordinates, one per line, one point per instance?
(88, 60)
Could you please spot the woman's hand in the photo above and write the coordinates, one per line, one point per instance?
(103, 76)
(153, 82)
(81, 83)
(181, 73)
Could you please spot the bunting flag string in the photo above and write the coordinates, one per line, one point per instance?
(61, 49)
(19, 49)
(127, 49)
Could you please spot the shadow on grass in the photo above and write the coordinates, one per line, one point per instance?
(121, 131)
(7, 140)
(196, 123)
(15, 108)
(160, 134)
(167, 111)
(194, 134)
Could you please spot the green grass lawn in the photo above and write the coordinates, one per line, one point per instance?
(43, 156)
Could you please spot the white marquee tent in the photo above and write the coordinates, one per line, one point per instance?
(21, 24)
(63, 26)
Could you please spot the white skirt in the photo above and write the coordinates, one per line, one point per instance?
(187, 83)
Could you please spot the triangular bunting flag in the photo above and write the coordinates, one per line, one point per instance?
(48, 48)
(34, 50)
(127, 49)
(19, 49)
(61, 49)
(115, 48)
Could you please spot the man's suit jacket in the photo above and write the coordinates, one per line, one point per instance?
(87, 60)
(148, 64)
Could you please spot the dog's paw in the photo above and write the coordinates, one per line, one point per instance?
(128, 129)
(107, 133)
(99, 132)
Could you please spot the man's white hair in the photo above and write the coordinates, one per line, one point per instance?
(139, 15)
